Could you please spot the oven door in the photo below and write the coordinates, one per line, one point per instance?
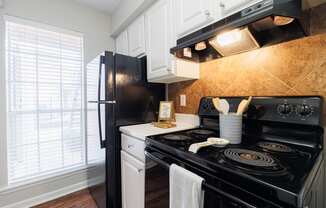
(157, 186)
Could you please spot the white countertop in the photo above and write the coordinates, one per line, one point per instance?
(141, 131)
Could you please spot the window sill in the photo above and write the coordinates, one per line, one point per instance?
(44, 179)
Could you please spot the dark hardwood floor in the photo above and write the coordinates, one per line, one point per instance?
(80, 199)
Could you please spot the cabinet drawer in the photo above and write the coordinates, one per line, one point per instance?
(133, 146)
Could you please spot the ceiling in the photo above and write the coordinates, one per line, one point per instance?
(110, 5)
(104, 5)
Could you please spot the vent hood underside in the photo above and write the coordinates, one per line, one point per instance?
(266, 23)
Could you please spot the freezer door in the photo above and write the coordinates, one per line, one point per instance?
(137, 100)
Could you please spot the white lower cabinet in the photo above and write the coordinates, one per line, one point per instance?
(133, 181)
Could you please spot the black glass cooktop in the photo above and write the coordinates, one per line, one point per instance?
(275, 164)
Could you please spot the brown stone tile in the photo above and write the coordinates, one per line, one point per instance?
(318, 19)
(193, 90)
(257, 82)
(293, 92)
(315, 82)
(221, 73)
(289, 61)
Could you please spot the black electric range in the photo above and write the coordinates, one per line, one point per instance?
(277, 162)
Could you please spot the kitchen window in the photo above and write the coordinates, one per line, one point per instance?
(45, 101)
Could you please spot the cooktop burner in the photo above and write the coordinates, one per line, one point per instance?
(250, 157)
(176, 137)
(275, 147)
(202, 132)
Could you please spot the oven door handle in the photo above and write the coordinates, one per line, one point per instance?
(205, 186)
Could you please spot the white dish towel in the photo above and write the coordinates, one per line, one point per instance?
(185, 188)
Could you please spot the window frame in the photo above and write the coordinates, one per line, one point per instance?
(4, 179)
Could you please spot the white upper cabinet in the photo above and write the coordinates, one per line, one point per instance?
(136, 37)
(158, 39)
(163, 67)
(228, 7)
(121, 43)
(193, 14)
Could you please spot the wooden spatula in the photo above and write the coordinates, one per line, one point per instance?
(216, 103)
(243, 106)
(210, 141)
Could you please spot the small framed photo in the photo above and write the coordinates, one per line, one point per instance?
(166, 111)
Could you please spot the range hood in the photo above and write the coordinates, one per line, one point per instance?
(265, 23)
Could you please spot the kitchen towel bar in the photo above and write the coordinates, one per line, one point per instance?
(205, 186)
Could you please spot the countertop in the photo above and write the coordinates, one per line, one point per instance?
(141, 131)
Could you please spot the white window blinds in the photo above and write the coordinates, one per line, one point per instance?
(44, 100)
(94, 152)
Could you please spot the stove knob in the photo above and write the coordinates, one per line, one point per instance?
(206, 106)
(304, 110)
(284, 109)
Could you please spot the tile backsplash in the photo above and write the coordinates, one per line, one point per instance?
(293, 68)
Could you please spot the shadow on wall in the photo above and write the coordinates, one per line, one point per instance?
(293, 68)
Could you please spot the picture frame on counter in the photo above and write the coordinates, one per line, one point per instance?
(166, 116)
(166, 112)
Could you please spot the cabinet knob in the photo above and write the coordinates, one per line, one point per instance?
(222, 5)
(130, 146)
(140, 170)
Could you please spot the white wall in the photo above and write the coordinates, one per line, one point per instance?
(46, 190)
(69, 15)
(126, 12)
(66, 14)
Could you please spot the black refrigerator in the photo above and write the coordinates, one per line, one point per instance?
(122, 96)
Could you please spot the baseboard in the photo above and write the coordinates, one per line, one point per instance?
(55, 194)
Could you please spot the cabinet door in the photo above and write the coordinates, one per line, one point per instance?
(133, 182)
(136, 36)
(158, 38)
(230, 7)
(121, 43)
(192, 14)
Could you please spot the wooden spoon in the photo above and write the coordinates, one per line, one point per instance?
(216, 102)
(224, 106)
(243, 106)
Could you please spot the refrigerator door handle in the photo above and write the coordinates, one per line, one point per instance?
(102, 142)
(104, 102)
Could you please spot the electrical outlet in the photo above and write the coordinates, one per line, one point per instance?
(183, 101)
